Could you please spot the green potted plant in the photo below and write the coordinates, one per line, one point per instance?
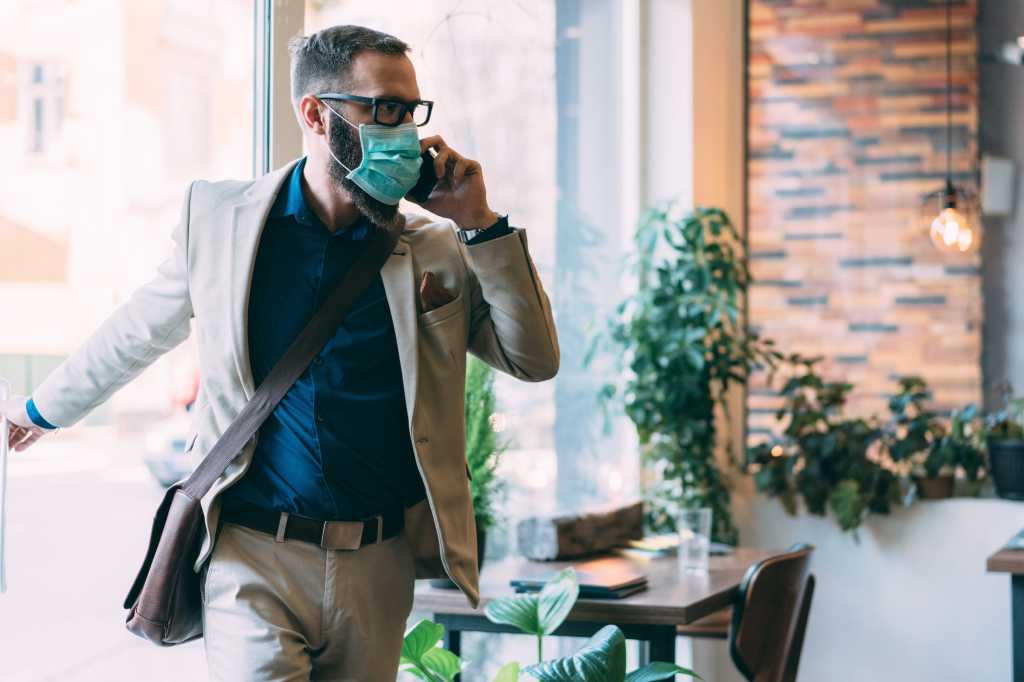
(914, 431)
(681, 343)
(601, 659)
(483, 452)
(1005, 440)
(958, 448)
(828, 461)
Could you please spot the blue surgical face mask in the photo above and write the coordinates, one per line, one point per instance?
(391, 160)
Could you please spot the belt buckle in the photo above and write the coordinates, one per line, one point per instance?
(341, 535)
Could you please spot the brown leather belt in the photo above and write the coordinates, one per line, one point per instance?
(328, 534)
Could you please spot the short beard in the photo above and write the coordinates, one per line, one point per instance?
(344, 143)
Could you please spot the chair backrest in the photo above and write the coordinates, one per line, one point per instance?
(770, 614)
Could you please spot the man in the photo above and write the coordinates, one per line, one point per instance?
(367, 448)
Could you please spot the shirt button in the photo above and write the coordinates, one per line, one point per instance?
(320, 418)
(318, 361)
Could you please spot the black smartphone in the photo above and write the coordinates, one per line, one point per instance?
(428, 179)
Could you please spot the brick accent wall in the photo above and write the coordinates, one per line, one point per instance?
(847, 131)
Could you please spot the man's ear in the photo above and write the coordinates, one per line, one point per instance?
(312, 115)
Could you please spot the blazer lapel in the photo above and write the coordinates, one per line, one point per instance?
(248, 219)
(400, 287)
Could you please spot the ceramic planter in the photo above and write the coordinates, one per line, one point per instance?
(935, 488)
(1006, 461)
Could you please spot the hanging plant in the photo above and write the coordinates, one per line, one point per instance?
(683, 341)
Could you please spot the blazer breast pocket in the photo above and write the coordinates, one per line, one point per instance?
(450, 309)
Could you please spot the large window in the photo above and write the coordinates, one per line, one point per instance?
(107, 111)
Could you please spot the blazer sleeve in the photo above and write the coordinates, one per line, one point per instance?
(511, 324)
(155, 319)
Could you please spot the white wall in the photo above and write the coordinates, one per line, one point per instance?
(910, 602)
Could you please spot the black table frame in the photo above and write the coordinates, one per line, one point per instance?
(1017, 626)
(657, 641)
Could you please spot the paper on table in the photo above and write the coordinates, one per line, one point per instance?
(5, 392)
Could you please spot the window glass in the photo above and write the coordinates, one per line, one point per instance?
(531, 90)
(107, 111)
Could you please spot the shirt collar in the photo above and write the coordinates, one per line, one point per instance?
(291, 203)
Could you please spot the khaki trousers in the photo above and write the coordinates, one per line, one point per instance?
(287, 611)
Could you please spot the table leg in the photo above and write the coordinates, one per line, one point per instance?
(1017, 592)
(453, 641)
(662, 644)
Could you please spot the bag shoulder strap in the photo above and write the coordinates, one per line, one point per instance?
(292, 364)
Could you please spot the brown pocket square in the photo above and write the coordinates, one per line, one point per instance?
(432, 294)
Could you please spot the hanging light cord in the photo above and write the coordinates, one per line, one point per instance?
(949, 93)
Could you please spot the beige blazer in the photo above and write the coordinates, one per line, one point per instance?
(500, 313)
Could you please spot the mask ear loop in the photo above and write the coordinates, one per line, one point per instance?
(331, 109)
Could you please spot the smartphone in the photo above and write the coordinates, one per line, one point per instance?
(428, 179)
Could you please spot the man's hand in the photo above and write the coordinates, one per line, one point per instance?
(21, 432)
(460, 193)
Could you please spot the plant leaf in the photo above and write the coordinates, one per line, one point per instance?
(557, 598)
(442, 662)
(508, 673)
(659, 671)
(423, 637)
(602, 659)
(519, 611)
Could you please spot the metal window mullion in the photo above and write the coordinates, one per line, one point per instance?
(276, 137)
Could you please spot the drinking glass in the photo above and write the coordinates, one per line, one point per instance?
(694, 539)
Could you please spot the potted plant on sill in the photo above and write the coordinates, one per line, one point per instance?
(1005, 440)
(828, 460)
(959, 448)
(913, 433)
(483, 451)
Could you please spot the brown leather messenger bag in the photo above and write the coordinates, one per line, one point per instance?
(164, 602)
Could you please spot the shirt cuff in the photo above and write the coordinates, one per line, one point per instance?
(37, 419)
(498, 229)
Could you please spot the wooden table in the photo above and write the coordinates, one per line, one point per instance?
(1012, 561)
(651, 616)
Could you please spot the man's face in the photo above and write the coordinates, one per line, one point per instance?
(372, 75)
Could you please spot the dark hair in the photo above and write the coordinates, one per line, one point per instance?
(322, 61)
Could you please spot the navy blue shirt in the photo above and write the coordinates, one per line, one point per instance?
(337, 446)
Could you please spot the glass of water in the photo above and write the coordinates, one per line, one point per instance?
(694, 539)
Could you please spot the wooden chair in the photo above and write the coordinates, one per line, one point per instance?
(745, 645)
(769, 616)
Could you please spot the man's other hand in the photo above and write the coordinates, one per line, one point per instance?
(21, 432)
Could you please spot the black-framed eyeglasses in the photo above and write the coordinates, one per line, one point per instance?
(389, 112)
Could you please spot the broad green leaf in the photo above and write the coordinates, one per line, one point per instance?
(508, 673)
(602, 659)
(419, 674)
(556, 600)
(423, 637)
(519, 611)
(443, 662)
(659, 671)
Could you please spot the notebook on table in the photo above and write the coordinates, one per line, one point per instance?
(603, 578)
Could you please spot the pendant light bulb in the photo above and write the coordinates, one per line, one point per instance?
(951, 231)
